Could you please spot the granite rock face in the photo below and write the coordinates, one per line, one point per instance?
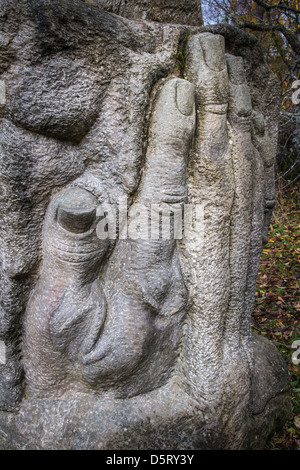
(163, 11)
(137, 184)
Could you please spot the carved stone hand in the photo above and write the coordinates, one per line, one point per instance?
(149, 330)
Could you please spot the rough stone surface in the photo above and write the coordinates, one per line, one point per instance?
(164, 11)
(133, 342)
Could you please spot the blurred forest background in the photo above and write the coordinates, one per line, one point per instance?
(276, 24)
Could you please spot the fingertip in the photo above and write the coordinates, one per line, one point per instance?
(213, 47)
(175, 103)
(236, 70)
(76, 210)
(185, 97)
(240, 102)
(76, 220)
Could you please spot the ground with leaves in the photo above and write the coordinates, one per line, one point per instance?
(277, 304)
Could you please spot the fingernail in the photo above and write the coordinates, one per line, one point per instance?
(76, 221)
(185, 97)
(77, 210)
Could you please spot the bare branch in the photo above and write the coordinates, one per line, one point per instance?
(279, 6)
(290, 37)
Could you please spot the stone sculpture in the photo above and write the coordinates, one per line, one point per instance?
(133, 342)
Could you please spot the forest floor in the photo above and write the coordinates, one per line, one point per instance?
(276, 313)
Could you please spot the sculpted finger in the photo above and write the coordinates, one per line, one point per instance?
(265, 147)
(243, 156)
(171, 133)
(71, 241)
(240, 107)
(210, 188)
(251, 156)
(68, 299)
(253, 163)
(206, 67)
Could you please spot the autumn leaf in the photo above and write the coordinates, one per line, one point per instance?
(277, 304)
(297, 421)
